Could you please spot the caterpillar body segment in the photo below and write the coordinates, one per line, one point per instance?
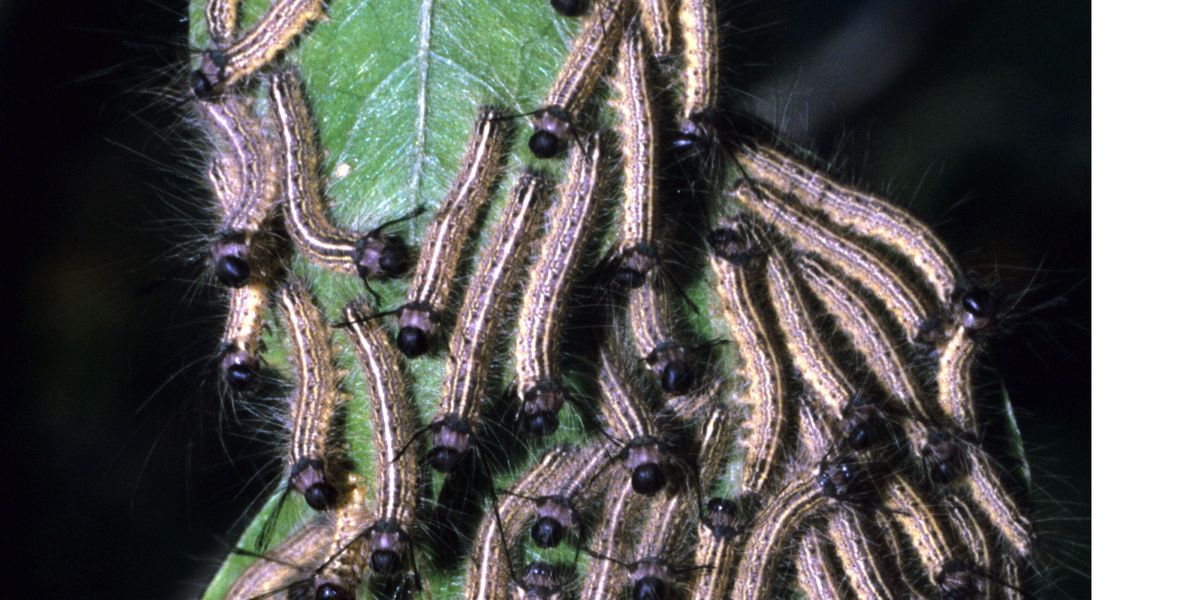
(956, 464)
(817, 571)
(397, 491)
(241, 341)
(392, 419)
(700, 38)
(246, 160)
(809, 354)
(942, 557)
(224, 66)
(369, 255)
(996, 500)
(903, 302)
(563, 498)
(314, 400)
(543, 311)
(735, 260)
(772, 529)
(474, 337)
(955, 383)
(313, 234)
(591, 52)
(605, 578)
(720, 538)
(637, 246)
(221, 17)
(657, 18)
(653, 323)
(244, 173)
(715, 436)
(867, 561)
(446, 237)
(302, 551)
(343, 572)
(869, 336)
(664, 527)
(488, 575)
(628, 419)
(861, 213)
(980, 559)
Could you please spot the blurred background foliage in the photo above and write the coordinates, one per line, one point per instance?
(122, 479)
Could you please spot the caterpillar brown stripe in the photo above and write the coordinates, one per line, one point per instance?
(653, 325)
(656, 17)
(238, 355)
(488, 574)
(224, 65)
(817, 572)
(943, 557)
(652, 575)
(861, 213)
(715, 436)
(315, 399)
(244, 173)
(736, 261)
(867, 334)
(604, 577)
(636, 247)
(544, 305)
(962, 518)
(303, 550)
(810, 356)
(867, 560)
(802, 501)
(955, 385)
(902, 301)
(628, 419)
(958, 464)
(698, 26)
(473, 340)
(221, 16)
(590, 54)
(719, 540)
(446, 236)
(342, 573)
(396, 471)
(369, 255)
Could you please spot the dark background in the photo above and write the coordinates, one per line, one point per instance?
(117, 483)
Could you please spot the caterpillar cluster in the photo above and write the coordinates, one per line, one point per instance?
(841, 454)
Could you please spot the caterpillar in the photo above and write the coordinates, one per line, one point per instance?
(225, 65)
(446, 237)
